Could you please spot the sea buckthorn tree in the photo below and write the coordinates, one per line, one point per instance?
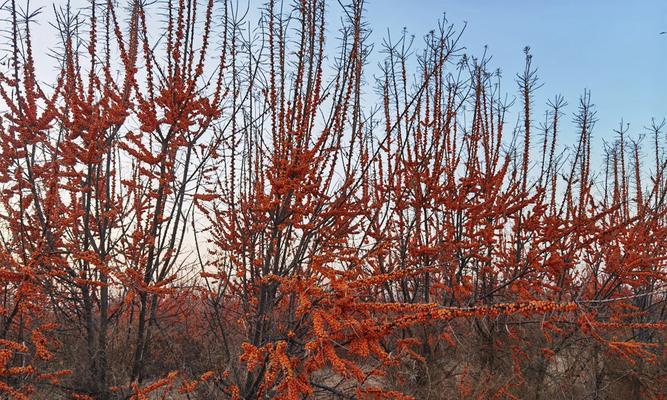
(205, 202)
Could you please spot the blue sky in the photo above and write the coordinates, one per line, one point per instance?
(611, 47)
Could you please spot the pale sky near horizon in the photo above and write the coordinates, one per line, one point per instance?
(612, 47)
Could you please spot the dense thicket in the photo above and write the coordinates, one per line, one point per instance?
(199, 205)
